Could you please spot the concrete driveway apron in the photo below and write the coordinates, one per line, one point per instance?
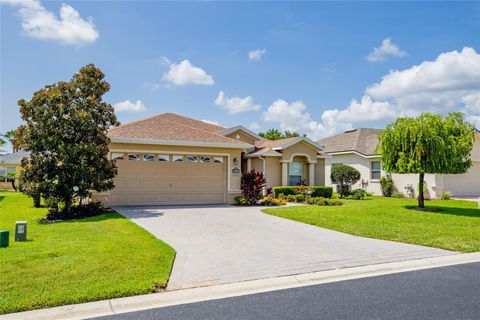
(223, 244)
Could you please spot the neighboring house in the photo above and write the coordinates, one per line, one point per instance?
(10, 163)
(174, 160)
(357, 148)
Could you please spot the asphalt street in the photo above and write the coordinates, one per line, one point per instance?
(440, 293)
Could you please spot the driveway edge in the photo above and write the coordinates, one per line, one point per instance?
(175, 297)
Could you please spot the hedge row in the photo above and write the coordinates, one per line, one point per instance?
(317, 191)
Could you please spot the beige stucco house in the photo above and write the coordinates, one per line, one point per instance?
(170, 159)
(10, 163)
(356, 148)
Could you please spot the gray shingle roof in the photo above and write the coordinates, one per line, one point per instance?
(362, 140)
(13, 158)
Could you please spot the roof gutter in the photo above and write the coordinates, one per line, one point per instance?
(181, 143)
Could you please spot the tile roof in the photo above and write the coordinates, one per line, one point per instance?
(169, 126)
(260, 152)
(13, 158)
(273, 143)
(362, 140)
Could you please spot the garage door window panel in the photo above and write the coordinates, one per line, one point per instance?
(205, 159)
(218, 159)
(191, 159)
(148, 157)
(117, 156)
(133, 157)
(163, 158)
(178, 159)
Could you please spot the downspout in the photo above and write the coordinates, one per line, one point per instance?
(264, 174)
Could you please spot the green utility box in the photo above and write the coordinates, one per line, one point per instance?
(21, 231)
(4, 235)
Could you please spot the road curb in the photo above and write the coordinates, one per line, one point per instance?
(175, 297)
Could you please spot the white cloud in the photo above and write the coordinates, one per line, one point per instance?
(449, 83)
(130, 107)
(212, 122)
(365, 110)
(388, 48)
(254, 126)
(294, 117)
(472, 102)
(184, 73)
(235, 105)
(256, 54)
(450, 71)
(40, 23)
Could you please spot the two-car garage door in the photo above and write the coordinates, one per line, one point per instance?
(162, 179)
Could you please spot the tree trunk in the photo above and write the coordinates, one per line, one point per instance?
(36, 200)
(13, 185)
(421, 201)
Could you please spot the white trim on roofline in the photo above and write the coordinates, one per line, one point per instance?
(300, 139)
(233, 129)
(334, 153)
(265, 154)
(182, 143)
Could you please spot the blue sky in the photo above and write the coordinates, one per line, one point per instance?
(177, 57)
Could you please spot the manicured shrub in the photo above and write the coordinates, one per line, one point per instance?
(240, 200)
(252, 184)
(299, 197)
(358, 194)
(398, 194)
(315, 191)
(291, 198)
(272, 201)
(75, 212)
(322, 191)
(388, 186)
(344, 176)
(321, 201)
(446, 195)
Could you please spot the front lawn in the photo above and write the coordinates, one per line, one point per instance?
(77, 261)
(456, 225)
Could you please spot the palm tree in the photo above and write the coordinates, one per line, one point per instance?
(290, 134)
(271, 134)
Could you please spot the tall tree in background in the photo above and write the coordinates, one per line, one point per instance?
(65, 131)
(274, 134)
(271, 134)
(427, 144)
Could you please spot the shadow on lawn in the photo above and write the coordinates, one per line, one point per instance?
(466, 212)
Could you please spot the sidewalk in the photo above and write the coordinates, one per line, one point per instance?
(175, 297)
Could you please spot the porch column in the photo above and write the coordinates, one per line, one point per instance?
(249, 164)
(284, 173)
(311, 174)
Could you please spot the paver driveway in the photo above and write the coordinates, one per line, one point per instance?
(222, 244)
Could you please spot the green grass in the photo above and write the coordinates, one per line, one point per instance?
(71, 262)
(456, 225)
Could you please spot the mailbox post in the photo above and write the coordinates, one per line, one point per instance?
(21, 231)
